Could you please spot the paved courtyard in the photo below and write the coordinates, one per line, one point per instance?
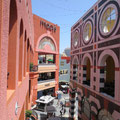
(58, 115)
(63, 115)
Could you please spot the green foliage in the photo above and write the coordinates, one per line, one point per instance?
(28, 113)
(31, 66)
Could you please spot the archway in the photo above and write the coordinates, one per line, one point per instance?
(107, 76)
(28, 54)
(25, 52)
(12, 45)
(86, 71)
(50, 41)
(20, 74)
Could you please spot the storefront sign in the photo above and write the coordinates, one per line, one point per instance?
(48, 26)
(46, 85)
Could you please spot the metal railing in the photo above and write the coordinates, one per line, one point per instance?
(46, 64)
(45, 81)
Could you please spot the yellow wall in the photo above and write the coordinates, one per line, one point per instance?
(110, 70)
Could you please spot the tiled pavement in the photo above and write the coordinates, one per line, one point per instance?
(43, 115)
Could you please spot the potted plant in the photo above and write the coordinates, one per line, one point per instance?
(31, 66)
(28, 113)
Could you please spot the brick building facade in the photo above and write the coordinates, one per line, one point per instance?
(46, 57)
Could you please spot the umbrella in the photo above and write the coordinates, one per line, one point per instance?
(50, 60)
(50, 109)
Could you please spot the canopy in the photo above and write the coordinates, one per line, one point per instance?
(45, 99)
(50, 60)
(64, 86)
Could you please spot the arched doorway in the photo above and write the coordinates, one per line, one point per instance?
(86, 71)
(107, 76)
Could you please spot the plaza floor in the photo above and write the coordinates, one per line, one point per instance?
(58, 115)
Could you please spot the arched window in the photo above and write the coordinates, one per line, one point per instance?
(108, 20)
(12, 46)
(25, 52)
(86, 72)
(20, 74)
(47, 43)
(28, 55)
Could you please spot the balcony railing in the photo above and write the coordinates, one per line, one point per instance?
(42, 66)
(45, 81)
(46, 64)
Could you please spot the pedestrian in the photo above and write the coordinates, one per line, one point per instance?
(61, 113)
(54, 114)
(64, 110)
(62, 106)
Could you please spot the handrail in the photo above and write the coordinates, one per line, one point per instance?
(44, 81)
(46, 64)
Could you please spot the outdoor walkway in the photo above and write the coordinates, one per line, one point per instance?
(65, 116)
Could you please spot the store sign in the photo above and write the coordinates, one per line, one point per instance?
(48, 26)
(47, 85)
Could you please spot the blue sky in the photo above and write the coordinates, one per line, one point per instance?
(63, 13)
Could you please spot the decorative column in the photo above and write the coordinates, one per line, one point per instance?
(102, 78)
(79, 103)
(84, 73)
(75, 72)
(72, 103)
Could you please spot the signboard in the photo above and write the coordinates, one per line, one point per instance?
(48, 26)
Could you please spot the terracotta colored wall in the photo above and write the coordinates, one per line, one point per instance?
(7, 111)
(40, 30)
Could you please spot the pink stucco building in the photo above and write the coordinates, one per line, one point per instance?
(16, 49)
(95, 63)
(18, 86)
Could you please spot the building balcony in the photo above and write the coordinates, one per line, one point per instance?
(46, 68)
(46, 81)
(46, 84)
(42, 68)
